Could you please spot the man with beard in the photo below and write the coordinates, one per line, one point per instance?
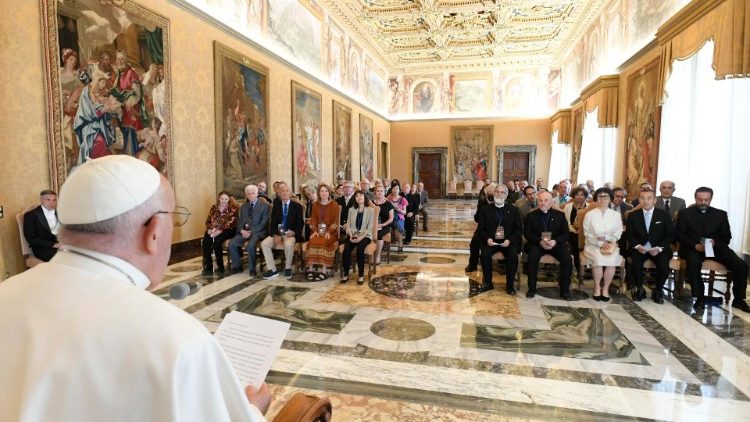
(500, 231)
(697, 227)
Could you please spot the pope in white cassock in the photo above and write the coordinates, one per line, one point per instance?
(86, 341)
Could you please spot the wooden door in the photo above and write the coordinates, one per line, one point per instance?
(430, 175)
(515, 166)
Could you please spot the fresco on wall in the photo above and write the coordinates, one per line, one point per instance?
(241, 98)
(306, 136)
(642, 128)
(342, 142)
(469, 95)
(296, 30)
(471, 152)
(424, 97)
(374, 87)
(336, 54)
(366, 147)
(355, 69)
(109, 92)
(518, 93)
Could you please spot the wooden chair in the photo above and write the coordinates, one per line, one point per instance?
(29, 259)
(674, 268)
(712, 271)
(452, 191)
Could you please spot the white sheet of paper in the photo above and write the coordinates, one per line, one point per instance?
(709, 246)
(251, 343)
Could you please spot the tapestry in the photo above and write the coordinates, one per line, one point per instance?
(366, 147)
(342, 142)
(306, 137)
(471, 152)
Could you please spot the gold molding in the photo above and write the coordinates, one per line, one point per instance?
(682, 20)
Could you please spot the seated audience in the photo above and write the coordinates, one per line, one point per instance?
(514, 192)
(308, 198)
(602, 228)
(412, 209)
(423, 199)
(546, 233)
(539, 183)
(667, 201)
(220, 226)
(359, 226)
(345, 201)
(262, 191)
(324, 234)
(526, 204)
(644, 185)
(485, 198)
(698, 226)
(618, 203)
(590, 186)
(286, 230)
(252, 226)
(364, 186)
(385, 218)
(40, 226)
(399, 205)
(649, 233)
(574, 210)
(499, 230)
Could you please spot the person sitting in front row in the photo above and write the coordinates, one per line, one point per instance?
(602, 229)
(40, 227)
(359, 224)
(220, 226)
(385, 218)
(286, 230)
(698, 226)
(546, 233)
(324, 234)
(252, 225)
(500, 231)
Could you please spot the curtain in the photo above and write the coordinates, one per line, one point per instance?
(597, 160)
(704, 138)
(559, 167)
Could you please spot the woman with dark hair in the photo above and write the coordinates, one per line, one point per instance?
(385, 218)
(399, 204)
(573, 210)
(359, 224)
(324, 234)
(395, 182)
(602, 228)
(307, 197)
(220, 225)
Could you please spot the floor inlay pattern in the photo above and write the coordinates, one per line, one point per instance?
(417, 343)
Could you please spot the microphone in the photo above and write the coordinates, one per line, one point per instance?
(182, 290)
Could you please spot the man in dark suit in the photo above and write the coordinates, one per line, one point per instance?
(476, 243)
(500, 231)
(618, 202)
(649, 233)
(528, 202)
(345, 202)
(667, 201)
(696, 227)
(251, 227)
(286, 228)
(423, 199)
(546, 231)
(411, 211)
(40, 226)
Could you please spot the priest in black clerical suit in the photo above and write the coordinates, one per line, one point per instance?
(699, 224)
(499, 230)
(649, 243)
(546, 231)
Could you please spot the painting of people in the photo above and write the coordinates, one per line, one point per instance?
(642, 127)
(111, 78)
(366, 147)
(336, 54)
(423, 97)
(241, 98)
(375, 88)
(471, 152)
(296, 30)
(342, 142)
(306, 137)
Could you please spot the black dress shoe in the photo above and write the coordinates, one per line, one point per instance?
(597, 298)
(511, 291)
(741, 305)
(604, 298)
(699, 304)
(235, 270)
(566, 296)
(658, 299)
(639, 295)
(470, 268)
(530, 294)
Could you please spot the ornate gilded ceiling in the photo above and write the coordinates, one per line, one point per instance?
(450, 35)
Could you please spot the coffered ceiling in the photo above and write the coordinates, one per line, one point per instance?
(451, 35)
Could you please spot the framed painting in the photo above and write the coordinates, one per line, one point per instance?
(643, 117)
(576, 142)
(342, 143)
(108, 84)
(241, 112)
(307, 150)
(471, 152)
(365, 147)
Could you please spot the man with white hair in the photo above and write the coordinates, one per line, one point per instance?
(252, 225)
(500, 231)
(89, 341)
(667, 201)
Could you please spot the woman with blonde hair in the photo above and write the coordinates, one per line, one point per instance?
(324, 234)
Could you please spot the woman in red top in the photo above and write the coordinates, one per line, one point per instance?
(220, 225)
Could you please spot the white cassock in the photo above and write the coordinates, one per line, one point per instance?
(83, 343)
(596, 224)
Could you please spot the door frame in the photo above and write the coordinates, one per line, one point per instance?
(443, 151)
(500, 153)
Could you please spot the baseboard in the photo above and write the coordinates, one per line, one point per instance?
(185, 250)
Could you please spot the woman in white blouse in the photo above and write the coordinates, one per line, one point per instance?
(602, 228)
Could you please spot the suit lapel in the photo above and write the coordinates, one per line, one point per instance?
(43, 219)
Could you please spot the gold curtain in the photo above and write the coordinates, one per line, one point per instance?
(560, 122)
(727, 22)
(603, 93)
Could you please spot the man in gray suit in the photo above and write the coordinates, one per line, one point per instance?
(528, 202)
(667, 201)
(423, 199)
(618, 202)
(251, 227)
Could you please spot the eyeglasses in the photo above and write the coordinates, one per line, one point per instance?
(179, 215)
(619, 196)
(602, 197)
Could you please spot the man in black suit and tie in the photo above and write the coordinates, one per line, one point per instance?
(667, 201)
(40, 226)
(699, 225)
(649, 233)
(251, 227)
(546, 231)
(500, 231)
(345, 202)
(287, 223)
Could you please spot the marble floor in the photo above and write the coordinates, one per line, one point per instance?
(416, 343)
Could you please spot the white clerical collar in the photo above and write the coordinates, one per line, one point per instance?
(499, 205)
(102, 263)
(49, 212)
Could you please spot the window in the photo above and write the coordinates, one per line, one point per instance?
(597, 161)
(559, 168)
